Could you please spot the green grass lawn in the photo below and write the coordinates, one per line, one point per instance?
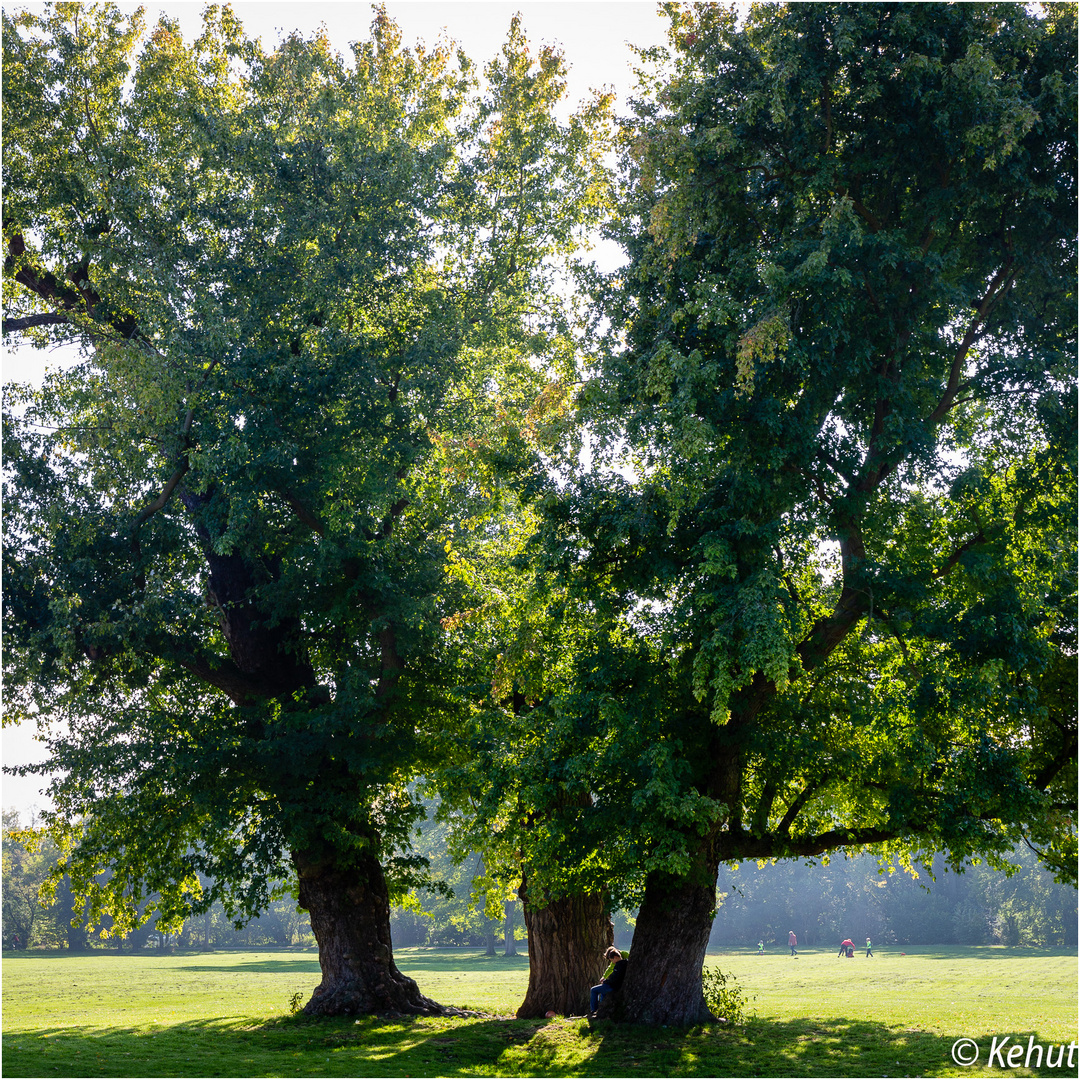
(227, 1014)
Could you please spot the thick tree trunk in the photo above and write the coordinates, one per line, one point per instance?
(663, 979)
(567, 942)
(350, 917)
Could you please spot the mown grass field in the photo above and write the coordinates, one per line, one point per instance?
(227, 1014)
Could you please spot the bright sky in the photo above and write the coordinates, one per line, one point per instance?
(595, 38)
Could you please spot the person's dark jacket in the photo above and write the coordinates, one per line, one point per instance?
(618, 973)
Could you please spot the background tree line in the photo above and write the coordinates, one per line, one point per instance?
(40, 913)
(850, 898)
(822, 902)
(847, 897)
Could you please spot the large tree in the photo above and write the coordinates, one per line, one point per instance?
(834, 603)
(302, 285)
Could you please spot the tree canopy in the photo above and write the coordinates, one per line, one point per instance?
(835, 602)
(305, 285)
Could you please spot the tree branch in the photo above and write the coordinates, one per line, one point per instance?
(166, 493)
(170, 486)
(958, 554)
(161, 501)
(823, 455)
(760, 820)
(302, 512)
(827, 633)
(744, 846)
(47, 287)
(227, 677)
(798, 803)
(900, 641)
(871, 219)
(28, 322)
(393, 514)
(390, 662)
(870, 292)
(1000, 284)
(1046, 774)
(826, 108)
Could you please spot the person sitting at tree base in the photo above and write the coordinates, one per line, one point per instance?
(612, 980)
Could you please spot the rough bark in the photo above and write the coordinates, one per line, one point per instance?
(663, 979)
(350, 916)
(567, 941)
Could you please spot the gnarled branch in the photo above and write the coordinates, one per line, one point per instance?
(28, 322)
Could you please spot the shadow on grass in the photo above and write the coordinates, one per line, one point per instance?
(452, 959)
(306, 964)
(372, 1046)
(410, 961)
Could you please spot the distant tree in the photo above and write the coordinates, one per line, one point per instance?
(1028, 905)
(283, 921)
(836, 603)
(69, 917)
(451, 910)
(303, 285)
(24, 872)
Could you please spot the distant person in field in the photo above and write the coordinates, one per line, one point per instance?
(792, 940)
(761, 948)
(869, 948)
(612, 980)
(847, 947)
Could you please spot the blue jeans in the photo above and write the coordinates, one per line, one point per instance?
(597, 992)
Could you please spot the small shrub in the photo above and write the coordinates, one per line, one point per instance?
(295, 1002)
(726, 1000)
